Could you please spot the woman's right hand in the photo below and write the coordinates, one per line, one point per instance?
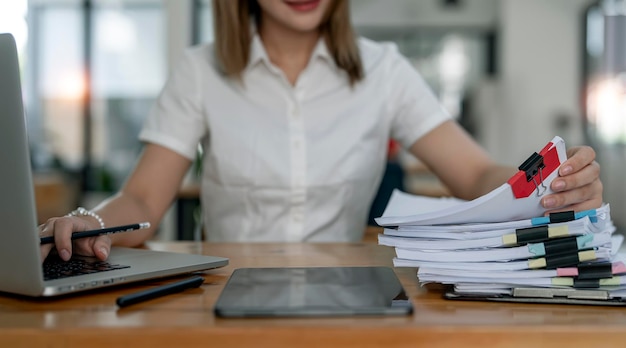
(63, 227)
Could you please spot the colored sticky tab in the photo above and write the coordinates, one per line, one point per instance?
(592, 213)
(559, 231)
(618, 268)
(583, 240)
(562, 281)
(544, 220)
(509, 239)
(537, 249)
(586, 255)
(613, 281)
(567, 272)
(534, 170)
(537, 263)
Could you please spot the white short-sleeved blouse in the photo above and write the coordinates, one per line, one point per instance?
(291, 163)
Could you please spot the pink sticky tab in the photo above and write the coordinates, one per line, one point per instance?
(567, 272)
(618, 268)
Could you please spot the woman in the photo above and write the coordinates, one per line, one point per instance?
(294, 114)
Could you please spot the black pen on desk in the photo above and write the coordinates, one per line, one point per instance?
(100, 232)
(159, 291)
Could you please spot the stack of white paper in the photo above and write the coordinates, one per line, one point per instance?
(498, 242)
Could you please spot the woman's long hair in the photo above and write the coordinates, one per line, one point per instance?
(233, 36)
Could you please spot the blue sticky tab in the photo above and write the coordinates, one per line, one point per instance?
(545, 220)
(583, 240)
(591, 213)
(537, 249)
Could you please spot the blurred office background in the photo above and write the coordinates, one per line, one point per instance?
(514, 73)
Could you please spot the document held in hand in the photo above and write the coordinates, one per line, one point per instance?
(518, 198)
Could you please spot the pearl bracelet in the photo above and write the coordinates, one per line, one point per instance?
(80, 211)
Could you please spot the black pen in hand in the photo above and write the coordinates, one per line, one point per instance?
(99, 232)
(159, 291)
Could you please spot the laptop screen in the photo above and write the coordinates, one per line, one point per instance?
(17, 204)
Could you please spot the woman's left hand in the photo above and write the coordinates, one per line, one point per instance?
(578, 186)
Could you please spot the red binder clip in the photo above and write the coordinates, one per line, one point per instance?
(533, 172)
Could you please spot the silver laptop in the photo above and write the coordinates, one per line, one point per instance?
(21, 269)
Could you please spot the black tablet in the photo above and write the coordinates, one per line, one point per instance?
(313, 291)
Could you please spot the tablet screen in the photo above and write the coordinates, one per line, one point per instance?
(312, 291)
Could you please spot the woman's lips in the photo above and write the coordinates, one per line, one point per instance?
(303, 6)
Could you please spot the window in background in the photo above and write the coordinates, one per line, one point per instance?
(605, 71)
(57, 84)
(604, 97)
(451, 61)
(203, 21)
(99, 65)
(128, 70)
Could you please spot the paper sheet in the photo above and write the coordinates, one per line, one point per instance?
(496, 206)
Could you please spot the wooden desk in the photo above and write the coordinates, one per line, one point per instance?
(55, 195)
(186, 319)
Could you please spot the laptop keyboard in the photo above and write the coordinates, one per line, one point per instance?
(56, 268)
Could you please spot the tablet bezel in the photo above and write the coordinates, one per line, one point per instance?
(244, 284)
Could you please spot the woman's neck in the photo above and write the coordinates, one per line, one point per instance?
(289, 50)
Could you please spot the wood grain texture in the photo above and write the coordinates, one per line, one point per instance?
(186, 319)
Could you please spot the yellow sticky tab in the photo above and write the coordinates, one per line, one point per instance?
(610, 281)
(563, 281)
(586, 255)
(509, 239)
(537, 263)
(558, 231)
